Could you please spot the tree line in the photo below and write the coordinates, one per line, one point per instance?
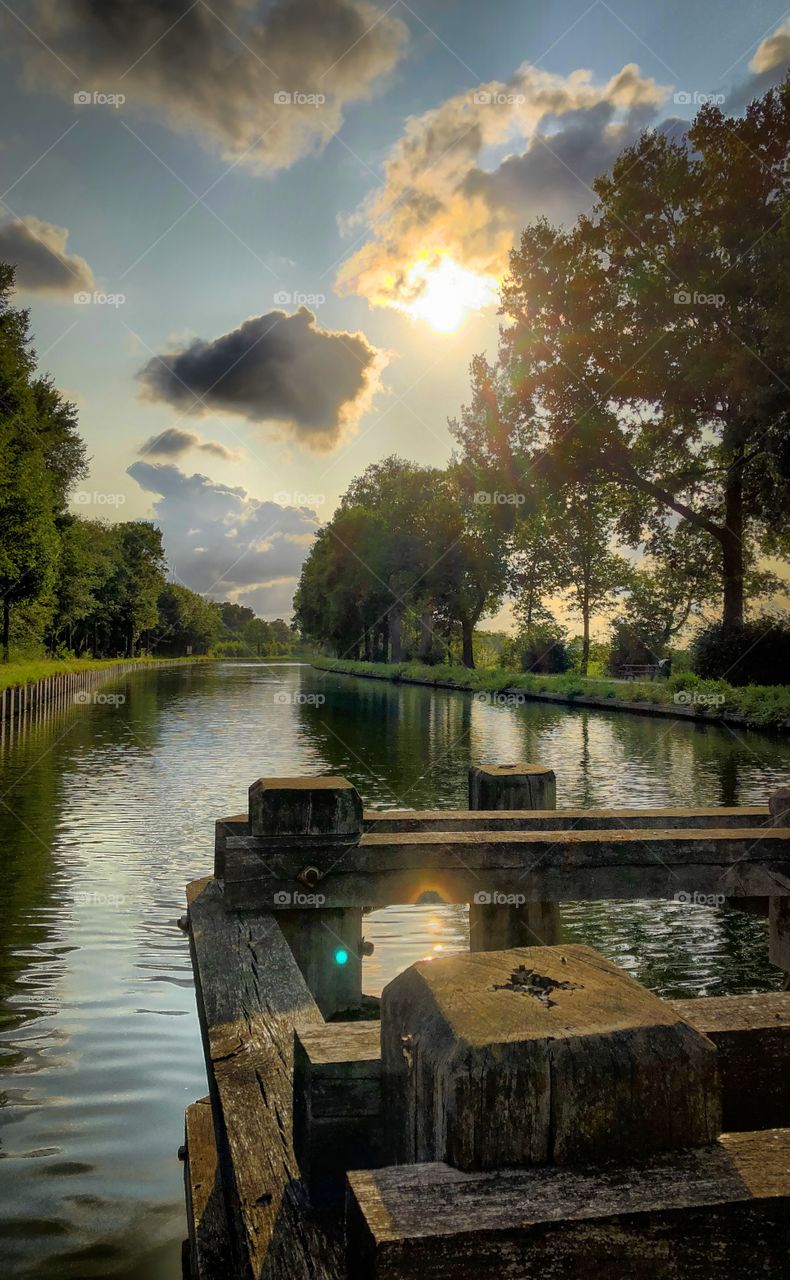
(70, 585)
(628, 449)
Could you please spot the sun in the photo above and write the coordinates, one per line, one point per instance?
(445, 292)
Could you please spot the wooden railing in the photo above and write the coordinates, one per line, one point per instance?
(524, 1110)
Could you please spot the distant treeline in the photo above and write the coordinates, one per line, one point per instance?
(74, 586)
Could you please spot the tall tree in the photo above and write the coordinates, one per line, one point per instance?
(649, 344)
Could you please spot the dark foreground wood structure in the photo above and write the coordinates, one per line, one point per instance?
(303, 1110)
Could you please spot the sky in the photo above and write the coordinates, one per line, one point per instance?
(261, 240)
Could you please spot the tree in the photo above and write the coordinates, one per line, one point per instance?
(649, 345)
(590, 571)
(129, 598)
(188, 623)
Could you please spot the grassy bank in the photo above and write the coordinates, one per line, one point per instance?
(683, 695)
(15, 674)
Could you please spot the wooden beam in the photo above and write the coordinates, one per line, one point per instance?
(209, 1243)
(720, 1212)
(337, 1105)
(251, 997)
(579, 865)
(752, 1037)
(494, 926)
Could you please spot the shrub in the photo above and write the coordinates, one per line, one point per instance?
(756, 652)
(541, 650)
(631, 644)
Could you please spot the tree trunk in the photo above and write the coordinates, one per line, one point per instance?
(467, 652)
(366, 644)
(130, 643)
(6, 628)
(426, 635)
(585, 640)
(732, 547)
(396, 633)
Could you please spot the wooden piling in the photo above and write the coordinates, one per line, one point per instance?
(498, 926)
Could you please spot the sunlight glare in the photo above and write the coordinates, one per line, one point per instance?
(447, 292)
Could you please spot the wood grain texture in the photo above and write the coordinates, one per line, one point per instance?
(715, 1213)
(581, 865)
(251, 997)
(538, 1055)
(752, 1039)
(562, 819)
(209, 1243)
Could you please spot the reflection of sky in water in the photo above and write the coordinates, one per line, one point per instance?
(110, 812)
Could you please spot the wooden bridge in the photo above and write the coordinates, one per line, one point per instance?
(527, 1110)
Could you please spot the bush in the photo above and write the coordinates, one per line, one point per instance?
(631, 644)
(757, 652)
(541, 650)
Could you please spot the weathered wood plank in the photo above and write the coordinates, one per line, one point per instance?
(712, 1213)
(251, 997)
(580, 865)
(209, 1243)
(752, 1037)
(538, 1055)
(337, 1105)
(381, 821)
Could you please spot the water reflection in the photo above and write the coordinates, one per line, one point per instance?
(107, 812)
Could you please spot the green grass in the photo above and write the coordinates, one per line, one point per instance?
(760, 706)
(15, 674)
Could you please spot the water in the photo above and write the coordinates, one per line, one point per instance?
(105, 815)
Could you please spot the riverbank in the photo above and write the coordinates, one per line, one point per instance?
(682, 696)
(15, 675)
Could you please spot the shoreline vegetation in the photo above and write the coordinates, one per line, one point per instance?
(683, 696)
(15, 675)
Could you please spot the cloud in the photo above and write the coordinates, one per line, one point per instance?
(449, 190)
(213, 70)
(275, 368)
(770, 61)
(174, 442)
(38, 251)
(222, 542)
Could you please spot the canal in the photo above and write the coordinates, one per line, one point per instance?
(107, 812)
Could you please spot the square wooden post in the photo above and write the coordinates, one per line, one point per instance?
(779, 907)
(312, 814)
(498, 926)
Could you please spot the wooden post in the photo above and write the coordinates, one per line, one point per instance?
(539, 1055)
(493, 926)
(314, 814)
(779, 907)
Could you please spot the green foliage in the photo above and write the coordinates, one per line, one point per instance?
(540, 648)
(757, 651)
(757, 706)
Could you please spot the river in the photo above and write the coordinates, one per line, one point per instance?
(107, 812)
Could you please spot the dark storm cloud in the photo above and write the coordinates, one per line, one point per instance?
(224, 543)
(38, 251)
(274, 368)
(174, 442)
(214, 70)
